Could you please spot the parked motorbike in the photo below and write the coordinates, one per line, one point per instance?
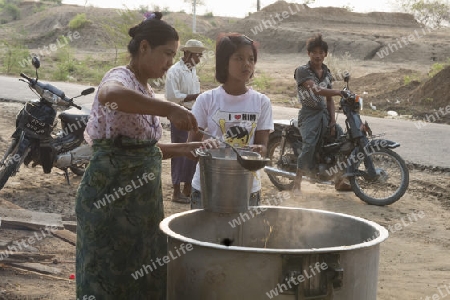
(35, 139)
(377, 174)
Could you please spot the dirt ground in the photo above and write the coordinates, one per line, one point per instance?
(414, 259)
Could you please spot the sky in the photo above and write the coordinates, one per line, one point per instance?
(234, 8)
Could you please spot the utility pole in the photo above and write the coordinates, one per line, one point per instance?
(194, 11)
(258, 5)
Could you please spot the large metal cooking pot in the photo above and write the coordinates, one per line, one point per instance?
(225, 184)
(294, 253)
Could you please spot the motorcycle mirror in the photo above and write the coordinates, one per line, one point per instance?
(87, 91)
(35, 62)
(347, 77)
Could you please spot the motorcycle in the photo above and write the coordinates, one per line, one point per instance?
(377, 174)
(35, 140)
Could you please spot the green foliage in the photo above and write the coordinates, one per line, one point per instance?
(39, 8)
(261, 81)
(437, 67)
(12, 10)
(117, 30)
(78, 21)
(144, 8)
(90, 70)
(163, 9)
(58, 2)
(3, 3)
(407, 79)
(15, 57)
(65, 64)
(431, 13)
(93, 69)
(208, 14)
(207, 74)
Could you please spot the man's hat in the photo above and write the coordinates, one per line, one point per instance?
(193, 46)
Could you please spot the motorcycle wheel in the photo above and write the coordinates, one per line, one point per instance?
(391, 183)
(11, 163)
(274, 153)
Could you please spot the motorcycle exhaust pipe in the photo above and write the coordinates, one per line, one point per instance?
(278, 172)
(79, 155)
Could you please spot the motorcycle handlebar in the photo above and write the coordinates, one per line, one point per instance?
(27, 78)
(41, 88)
(74, 105)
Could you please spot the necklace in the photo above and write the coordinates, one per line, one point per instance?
(137, 75)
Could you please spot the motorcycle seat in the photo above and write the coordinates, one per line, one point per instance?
(73, 115)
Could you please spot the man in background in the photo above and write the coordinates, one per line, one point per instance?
(183, 87)
(316, 118)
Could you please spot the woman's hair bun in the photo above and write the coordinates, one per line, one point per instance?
(148, 16)
(158, 15)
(132, 31)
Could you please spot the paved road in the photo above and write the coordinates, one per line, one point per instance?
(429, 145)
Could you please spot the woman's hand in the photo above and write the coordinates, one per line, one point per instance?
(182, 118)
(206, 144)
(170, 150)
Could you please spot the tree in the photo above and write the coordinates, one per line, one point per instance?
(14, 56)
(116, 29)
(431, 13)
(194, 4)
(13, 11)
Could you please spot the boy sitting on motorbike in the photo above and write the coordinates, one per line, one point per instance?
(317, 115)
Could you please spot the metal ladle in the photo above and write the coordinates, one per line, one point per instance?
(251, 163)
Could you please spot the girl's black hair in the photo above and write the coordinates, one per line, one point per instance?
(316, 41)
(226, 45)
(155, 31)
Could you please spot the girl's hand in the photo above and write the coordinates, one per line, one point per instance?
(261, 149)
(182, 118)
(332, 126)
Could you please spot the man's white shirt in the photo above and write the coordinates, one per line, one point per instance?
(181, 81)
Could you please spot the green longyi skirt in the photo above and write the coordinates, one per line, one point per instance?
(119, 207)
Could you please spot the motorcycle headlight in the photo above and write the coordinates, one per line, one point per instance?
(50, 97)
(47, 95)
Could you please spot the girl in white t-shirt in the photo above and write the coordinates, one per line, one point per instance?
(239, 114)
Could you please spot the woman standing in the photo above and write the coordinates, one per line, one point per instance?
(119, 201)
